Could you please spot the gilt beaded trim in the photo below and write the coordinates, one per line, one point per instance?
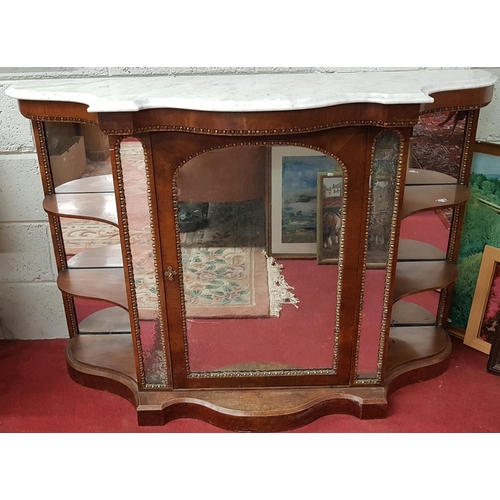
(458, 211)
(130, 268)
(392, 258)
(127, 258)
(45, 158)
(259, 373)
(452, 108)
(62, 119)
(283, 131)
(389, 269)
(55, 224)
(155, 262)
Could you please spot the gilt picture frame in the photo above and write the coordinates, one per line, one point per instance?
(293, 200)
(484, 319)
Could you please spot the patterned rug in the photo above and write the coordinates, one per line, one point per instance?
(224, 265)
(436, 145)
(226, 272)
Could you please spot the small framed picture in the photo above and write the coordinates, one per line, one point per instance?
(293, 214)
(329, 217)
(484, 319)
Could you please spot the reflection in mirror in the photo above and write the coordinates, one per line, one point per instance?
(140, 236)
(373, 319)
(419, 309)
(85, 204)
(99, 317)
(438, 140)
(245, 310)
(78, 151)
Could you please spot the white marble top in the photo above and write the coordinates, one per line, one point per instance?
(259, 92)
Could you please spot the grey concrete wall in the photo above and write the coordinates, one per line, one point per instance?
(30, 303)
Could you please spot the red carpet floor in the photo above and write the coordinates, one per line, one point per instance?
(37, 396)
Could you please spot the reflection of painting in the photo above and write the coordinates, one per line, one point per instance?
(481, 227)
(329, 217)
(484, 319)
(294, 198)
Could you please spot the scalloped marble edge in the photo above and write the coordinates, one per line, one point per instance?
(261, 92)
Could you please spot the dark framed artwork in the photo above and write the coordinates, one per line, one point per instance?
(493, 365)
(329, 217)
(484, 320)
(481, 227)
(293, 213)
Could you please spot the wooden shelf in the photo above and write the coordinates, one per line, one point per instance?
(421, 177)
(95, 184)
(414, 250)
(99, 284)
(406, 313)
(101, 257)
(92, 206)
(415, 277)
(421, 198)
(411, 345)
(110, 320)
(104, 353)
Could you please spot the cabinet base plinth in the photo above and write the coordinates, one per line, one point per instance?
(257, 410)
(261, 410)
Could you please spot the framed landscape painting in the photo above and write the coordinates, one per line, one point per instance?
(481, 227)
(294, 205)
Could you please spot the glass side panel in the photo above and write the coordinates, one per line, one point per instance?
(373, 318)
(143, 262)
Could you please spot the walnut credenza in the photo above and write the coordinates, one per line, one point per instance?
(213, 181)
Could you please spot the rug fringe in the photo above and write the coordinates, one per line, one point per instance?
(279, 289)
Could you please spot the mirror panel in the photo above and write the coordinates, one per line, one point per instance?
(139, 240)
(438, 140)
(381, 219)
(249, 308)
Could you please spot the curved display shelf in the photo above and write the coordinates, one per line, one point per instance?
(410, 345)
(415, 277)
(99, 284)
(414, 250)
(421, 177)
(112, 353)
(421, 198)
(110, 320)
(93, 206)
(406, 313)
(106, 256)
(94, 184)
